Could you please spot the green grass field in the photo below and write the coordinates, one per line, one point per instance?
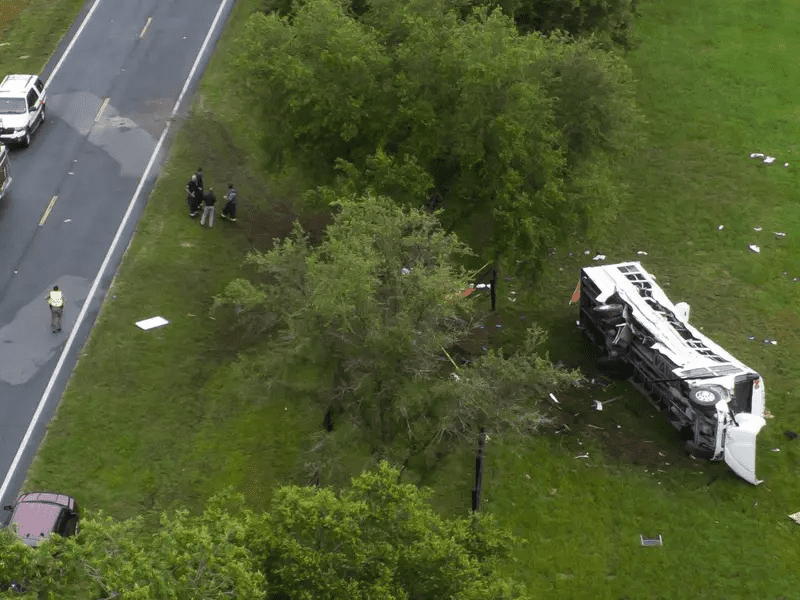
(715, 82)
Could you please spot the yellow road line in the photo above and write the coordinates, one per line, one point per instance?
(146, 25)
(47, 210)
(100, 112)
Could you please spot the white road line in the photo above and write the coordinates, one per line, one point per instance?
(100, 112)
(47, 210)
(71, 44)
(93, 290)
(146, 25)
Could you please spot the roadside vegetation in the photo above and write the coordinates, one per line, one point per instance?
(259, 380)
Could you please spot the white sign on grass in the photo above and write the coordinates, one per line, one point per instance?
(151, 323)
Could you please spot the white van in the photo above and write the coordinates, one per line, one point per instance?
(714, 400)
(5, 171)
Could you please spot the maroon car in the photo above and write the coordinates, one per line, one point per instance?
(38, 514)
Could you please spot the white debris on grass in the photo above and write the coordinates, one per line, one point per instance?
(756, 155)
(769, 160)
(151, 323)
(795, 517)
(721, 227)
(641, 253)
(600, 257)
(757, 228)
(754, 248)
(779, 234)
(554, 399)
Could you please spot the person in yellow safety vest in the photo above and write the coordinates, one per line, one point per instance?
(56, 301)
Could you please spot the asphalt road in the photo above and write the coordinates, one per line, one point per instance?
(137, 55)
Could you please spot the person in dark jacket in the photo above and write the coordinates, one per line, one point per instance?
(194, 190)
(208, 207)
(229, 212)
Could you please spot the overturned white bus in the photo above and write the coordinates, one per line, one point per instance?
(715, 401)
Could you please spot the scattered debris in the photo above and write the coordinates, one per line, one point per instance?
(776, 449)
(652, 541)
(601, 382)
(480, 286)
(554, 399)
(582, 456)
(593, 426)
(588, 252)
(151, 323)
(768, 415)
(769, 160)
(785, 164)
(773, 342)
(795, 517)
(599, 405)
(756, 155)
(600, 257)
(757, 228)
(779, 234)
(641, 253)
(755, 248)
(790, 435)
(721, 227)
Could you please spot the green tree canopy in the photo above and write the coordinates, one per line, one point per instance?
(376, 540)
(376, 306)
(416, 99)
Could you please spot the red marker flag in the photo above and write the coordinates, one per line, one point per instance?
(576, 295)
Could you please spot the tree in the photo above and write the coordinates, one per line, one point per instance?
(379, 539)
(188, 557)
(610, 20)
(374, 304)
(377, 306)
(419, 99)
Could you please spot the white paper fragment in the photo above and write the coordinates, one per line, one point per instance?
(405, 270)
(600, 257)
(553, 398)
(588, 252)
(785, 164)
(769, 160)
(151, 323)
(795, 517)
(582, 456)
(480, 286)
(721, 227)
(776, 449)
(756, 155)
(67, 220)
(779, 234)
(755, 248)
(598, 405)
(641, 253)
(757, 228)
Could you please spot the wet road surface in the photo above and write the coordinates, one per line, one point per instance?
(108, 103)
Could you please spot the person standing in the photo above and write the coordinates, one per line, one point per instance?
(56, 301)
(208, 208)
(229, 212)
(194, 191)
(191, 188)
